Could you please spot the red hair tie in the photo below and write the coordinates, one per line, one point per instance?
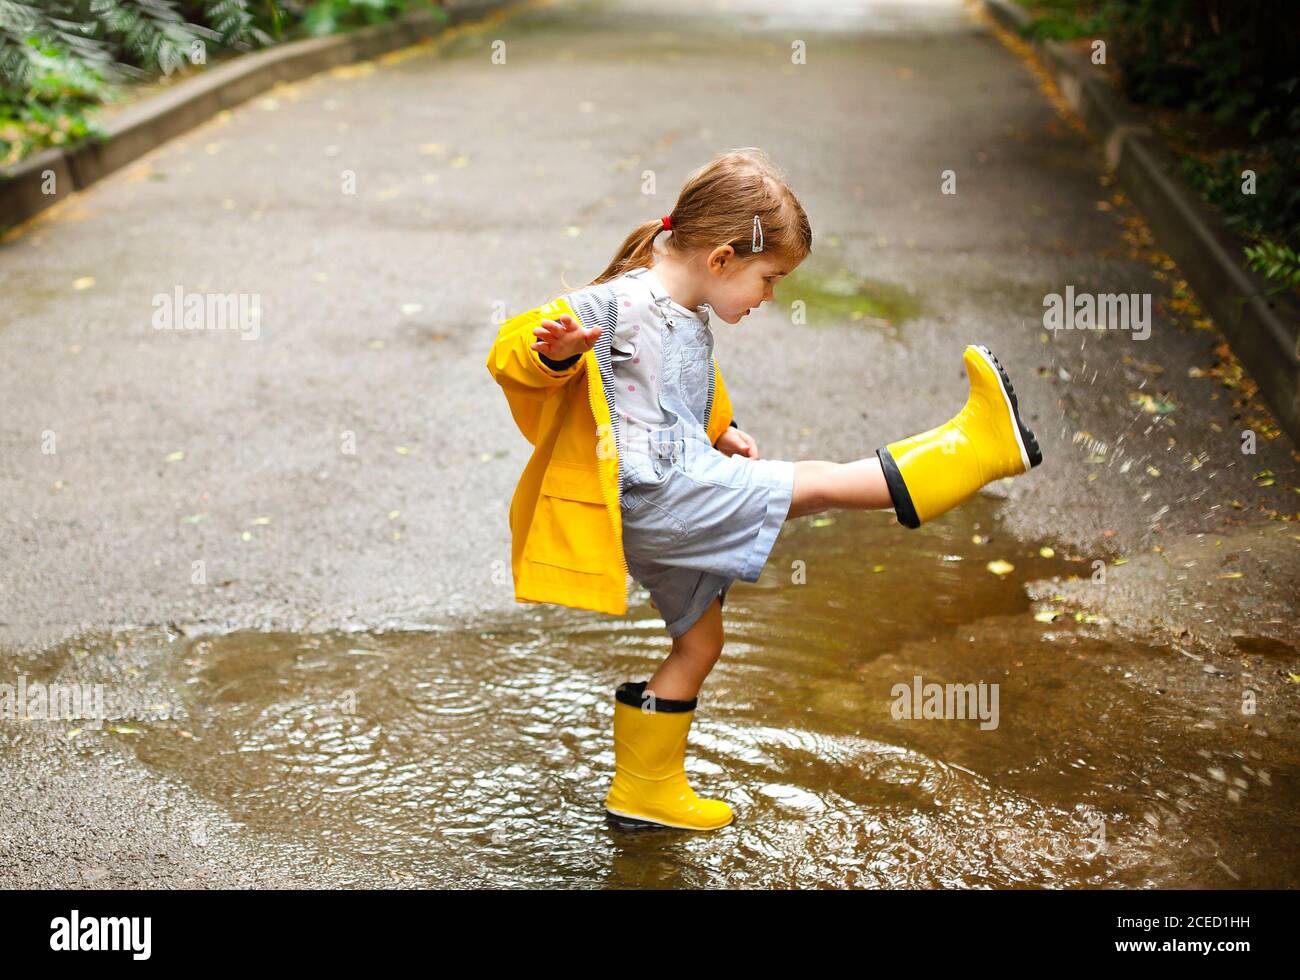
(668, 221)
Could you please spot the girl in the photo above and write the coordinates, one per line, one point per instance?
(644, 470)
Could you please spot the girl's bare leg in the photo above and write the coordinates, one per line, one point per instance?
(681, 676)
(822, 485)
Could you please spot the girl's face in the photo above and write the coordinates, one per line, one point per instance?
(737, 287)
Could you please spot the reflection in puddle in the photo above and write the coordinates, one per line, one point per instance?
(481, 756)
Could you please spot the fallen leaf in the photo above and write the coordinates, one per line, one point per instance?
(353, 71)
(176, 457)
(1046, 552)
(1000, 567)
(1150, 403)
(85, 282)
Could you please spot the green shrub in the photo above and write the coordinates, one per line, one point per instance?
(1063, 20)
(60, 59)
(1226, 58)
(1233, 62)
(1275, 262)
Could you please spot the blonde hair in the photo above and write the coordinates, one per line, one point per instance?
(718, 206)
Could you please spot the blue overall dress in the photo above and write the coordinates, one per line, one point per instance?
(694, 518)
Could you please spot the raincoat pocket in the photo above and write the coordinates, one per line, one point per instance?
(571, 527)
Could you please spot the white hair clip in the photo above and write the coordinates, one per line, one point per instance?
(756, 245)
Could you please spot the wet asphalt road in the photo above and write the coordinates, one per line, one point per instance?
(478, 186)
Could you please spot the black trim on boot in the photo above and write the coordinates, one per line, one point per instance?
(903, 507)
(630, 692)
(621, 822)
(1032, 449)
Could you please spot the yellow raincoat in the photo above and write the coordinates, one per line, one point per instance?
(565, 516)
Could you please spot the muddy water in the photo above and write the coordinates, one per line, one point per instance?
(481, 756)
(831, 294)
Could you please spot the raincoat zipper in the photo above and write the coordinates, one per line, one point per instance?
(618, 483)
(708, 408)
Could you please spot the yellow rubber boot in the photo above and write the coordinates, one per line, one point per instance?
(650, 787)
(931, 473)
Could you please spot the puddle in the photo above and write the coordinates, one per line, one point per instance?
(480, 756)
(833, 295)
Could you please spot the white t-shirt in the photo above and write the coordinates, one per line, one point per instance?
(637, 351)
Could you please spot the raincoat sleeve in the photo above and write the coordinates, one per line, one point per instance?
(526, 380)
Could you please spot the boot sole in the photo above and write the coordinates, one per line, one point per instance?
(1030, 454)
(625, 822)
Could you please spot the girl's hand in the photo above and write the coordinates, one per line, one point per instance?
(563, 339)
(734, 442)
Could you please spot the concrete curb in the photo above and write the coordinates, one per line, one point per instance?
(1263, 331)
(147, 125)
